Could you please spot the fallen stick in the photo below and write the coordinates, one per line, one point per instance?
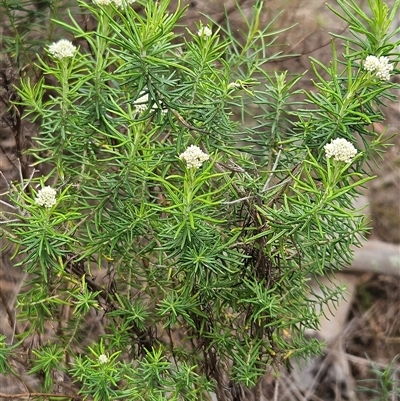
(376, 257)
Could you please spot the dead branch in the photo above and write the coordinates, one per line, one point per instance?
(376, 257)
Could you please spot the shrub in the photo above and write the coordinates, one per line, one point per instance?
(207, 228)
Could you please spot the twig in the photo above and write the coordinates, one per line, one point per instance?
(186, 124)
(376, 257)
(5, 180)
(266, 185)
(29, 395)
(253, 196)
(10, 314)
(29, 179)
(7, 204)
(21, 178)
(257, 391)
(276, 390)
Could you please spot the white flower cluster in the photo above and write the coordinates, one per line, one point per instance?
(194, 157)
(341, 150)
(204, 31)
(46, 197)
(121, 3)
(102, 2)
(62, 49)
(103, 359)
(380, 66)
(117, 3)
(141, 104)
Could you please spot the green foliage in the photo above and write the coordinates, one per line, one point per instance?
(386, 382)
(47, 359)
(206, 269)
(5, 353)
(26, 26)
(372, 33)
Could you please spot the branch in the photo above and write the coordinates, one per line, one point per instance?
(30, 395)
(376, 257)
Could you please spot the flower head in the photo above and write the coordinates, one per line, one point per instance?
(141, 103)
(194, 157)
(341, 150)
(62, 49)
(46, 197)
(103, 359)
(204, 31)
(102, 2)
(380, 66)
(121, 3)
(371, 63)
(384, 69)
